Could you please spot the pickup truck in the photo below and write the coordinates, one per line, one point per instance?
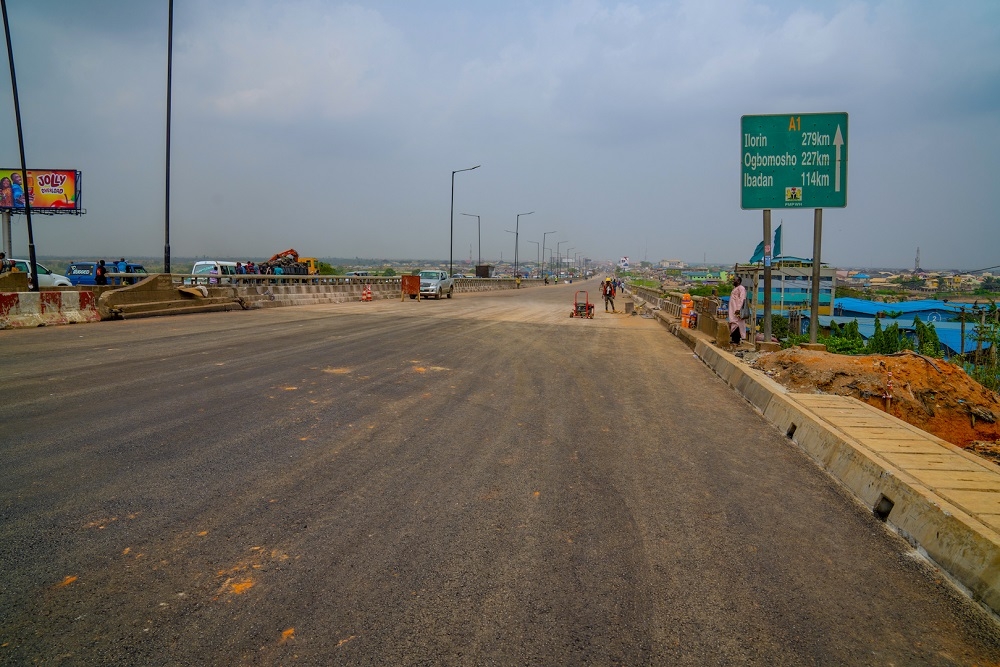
(436, 283)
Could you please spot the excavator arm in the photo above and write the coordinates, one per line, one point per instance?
(285, 253)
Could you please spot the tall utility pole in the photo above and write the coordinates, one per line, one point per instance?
(33, 264)
(517, 228)
(537, 254)
(451, 239)
(543, 247)
(166, 199)
(479, 227)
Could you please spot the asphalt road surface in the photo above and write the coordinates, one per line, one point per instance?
(475, 481)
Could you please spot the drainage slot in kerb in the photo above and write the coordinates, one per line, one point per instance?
(791, 430)
(883, 507)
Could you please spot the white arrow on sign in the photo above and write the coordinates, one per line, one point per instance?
(838, 141)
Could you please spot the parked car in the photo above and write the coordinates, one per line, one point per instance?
(46, 277)
(435, 283)
(84, 273)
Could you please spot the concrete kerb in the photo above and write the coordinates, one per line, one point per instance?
(964, 547)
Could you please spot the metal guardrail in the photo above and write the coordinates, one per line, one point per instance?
(709, 309)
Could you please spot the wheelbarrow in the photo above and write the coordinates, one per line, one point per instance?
(582, 307)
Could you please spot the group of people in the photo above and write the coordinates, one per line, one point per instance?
(12, 191)
(102, 270)
(255, 269)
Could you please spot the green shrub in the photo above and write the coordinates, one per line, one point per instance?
(927, 339)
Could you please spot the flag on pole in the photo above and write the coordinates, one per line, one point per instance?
(758, 254)
(776, 252)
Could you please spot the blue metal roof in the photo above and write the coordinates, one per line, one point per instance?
(949, 333)
(924, 308)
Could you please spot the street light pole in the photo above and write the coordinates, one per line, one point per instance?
(559, 257)
(451, 240)
(567, 257)
(166, 194)
(511, 231)
(543, 244)
(33, 285)
(480, 227)
(517, 228)
(537, 246)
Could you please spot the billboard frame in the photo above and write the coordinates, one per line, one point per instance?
(78, 193)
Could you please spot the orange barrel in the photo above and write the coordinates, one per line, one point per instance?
(687, 309)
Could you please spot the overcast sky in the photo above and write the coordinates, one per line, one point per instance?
(333, 128)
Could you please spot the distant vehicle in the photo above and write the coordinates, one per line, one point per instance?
(312, 264)
(211, 272)
(434, 284)
(84, 273)
(46, 277)
(358, 274)
(459, 275)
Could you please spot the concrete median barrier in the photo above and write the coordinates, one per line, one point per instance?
(158, 295)
(164, 294)
(48, 307)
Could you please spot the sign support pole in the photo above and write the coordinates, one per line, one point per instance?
(767, 275)
(817, 241)
(7, 242)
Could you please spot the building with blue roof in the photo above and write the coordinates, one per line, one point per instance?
(928, 310)
(946, 318)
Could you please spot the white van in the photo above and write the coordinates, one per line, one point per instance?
(209, 269)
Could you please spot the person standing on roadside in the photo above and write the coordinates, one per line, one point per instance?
(101, 274)
(736, 300)
(608, 291)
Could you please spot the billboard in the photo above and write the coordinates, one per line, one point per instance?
(47, 190)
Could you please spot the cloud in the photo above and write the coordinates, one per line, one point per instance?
(339, 123)
(290, 62)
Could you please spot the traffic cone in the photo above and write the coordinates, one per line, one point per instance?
(366, 293)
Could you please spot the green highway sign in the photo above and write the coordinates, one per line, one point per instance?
(793, 161)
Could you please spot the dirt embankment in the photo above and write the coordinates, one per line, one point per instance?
(931, 394)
